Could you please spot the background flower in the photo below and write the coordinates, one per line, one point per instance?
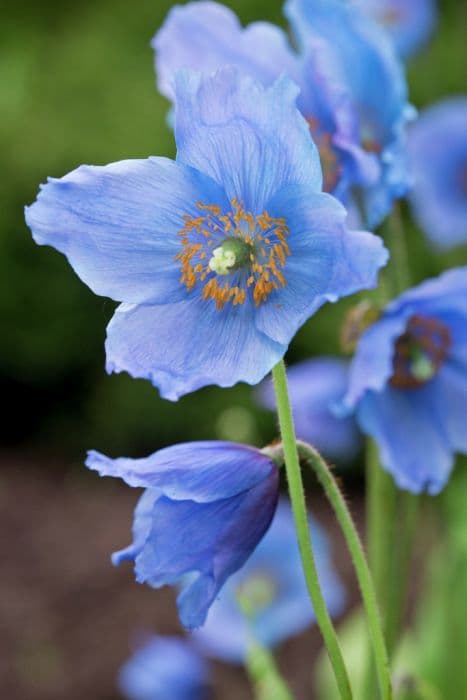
(358, 135)
(272, 582)
(438, 150)
(409, 23)
(358, 56)
(164, 668)
(220, 256)
(316, 386)
(408, 382)
(205, 508)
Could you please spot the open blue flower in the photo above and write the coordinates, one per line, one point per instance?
(220, 256)
(274, 587)
(438, 151)
(358, 55)
(204, 510)
(316, 386)
(359, 137)
(409, 23)
(408, 382)
(164, 668)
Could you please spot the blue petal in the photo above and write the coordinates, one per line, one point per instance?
(315, 386)
(372, 365)
(141, 524)
(198, 471)
(359, 56)
(326, 263)
(182, 347)
(117, 224)
(409, 24)
(438, 151)
(408, 427)
(204, 36)
(290, 611)
(164, 668)
(446, 293)
(452, 387)
(250, 139)
(212, 539)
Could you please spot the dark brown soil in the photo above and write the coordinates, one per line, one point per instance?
(67, 617)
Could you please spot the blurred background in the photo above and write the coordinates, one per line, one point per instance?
(77, 86)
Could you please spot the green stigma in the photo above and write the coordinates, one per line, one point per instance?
(256, 593)
(421, 366)
(233, 254)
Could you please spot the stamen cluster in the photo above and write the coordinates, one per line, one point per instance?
(248, 251)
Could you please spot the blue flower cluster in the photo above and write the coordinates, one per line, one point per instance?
(218, 257)
(356, 117)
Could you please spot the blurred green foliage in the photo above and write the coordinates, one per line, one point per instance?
(78, 86)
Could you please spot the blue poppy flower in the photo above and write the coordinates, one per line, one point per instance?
(316, 386)
(408, 382)
(220, 256)
(204, 510)
(274, 587)
(438, 151)
(357, 127)
(409, 23)
(358, 55)
(164, 668)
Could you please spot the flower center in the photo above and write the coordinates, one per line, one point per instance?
(327, 153)
(257, 592)
(245, 251)
(420, 352)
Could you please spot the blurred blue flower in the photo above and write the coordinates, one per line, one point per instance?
(408, 382)
(316, 386)
(359, 146)
(220, 256)
(272, 582)
(409, 23)
(204, 510)
(164, 668)
(438, 151)
(358, 55)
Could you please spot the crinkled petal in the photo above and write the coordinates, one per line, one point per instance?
(204, 36)
(141, 525)
(250, 139)
(182, 347)
(445, 293)
(289, 611)
(117, 224)
(409, 428)
(201, 471)
(372, 364)
(452, 387)
(326, 263)
(211, 539)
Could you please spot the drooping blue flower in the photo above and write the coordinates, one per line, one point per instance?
(316, 386)
(205, 508)
(409, 23)
(438, 151)
(220, 256)
(165, 668)
(360, 147)
(408, 382)
(357, 54)
(273, 584)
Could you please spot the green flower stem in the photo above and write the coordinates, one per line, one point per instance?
(297, 497)
(337, 501)
(267, 682)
